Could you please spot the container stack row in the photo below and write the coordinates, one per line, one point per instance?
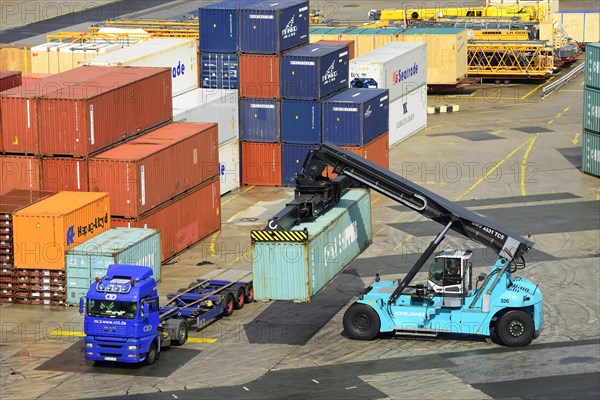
(10, 79)
(591, 111)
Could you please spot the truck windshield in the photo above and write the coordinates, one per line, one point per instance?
(112, 309)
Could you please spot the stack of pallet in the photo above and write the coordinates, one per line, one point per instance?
(591, 111)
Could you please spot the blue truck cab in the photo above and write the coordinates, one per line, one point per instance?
(122, 316)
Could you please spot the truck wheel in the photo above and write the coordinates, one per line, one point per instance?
(152, 354)
(228, 306)
(181, 333)
(240, 299)
(250, 294)
(515, 328)
(361, 322)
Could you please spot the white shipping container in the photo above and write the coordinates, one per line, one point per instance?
(400, 67)
(408, 115)
(229, 166)
(178, 54)
(210, 105)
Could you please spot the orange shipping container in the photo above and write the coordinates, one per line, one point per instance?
(259, 76)
(349, 43)
(65, 173)
(156, 167)
(19, 172)
(261, 164)
(184, 220)
(46, 230)
(376, 151)
(29, 77)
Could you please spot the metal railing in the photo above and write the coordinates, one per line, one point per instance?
(551, 87)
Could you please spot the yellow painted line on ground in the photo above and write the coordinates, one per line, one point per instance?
(213, 252)
(571, 90)
(492, 170)
(249, 188)
(550, 122)
(67, 333)
(532, 91)
(524, 164)
(228, 200)
(496, 132)
(427, 183)
(379, 231)
(576, 138)
(406, 239)
(376, 200)
(566, 109)
(201, 340)
(234, 216)
(581, 84)
(436, 126)
(558, 115)
(237, 259)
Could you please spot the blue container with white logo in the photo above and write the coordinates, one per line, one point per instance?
(355, 116)
(314, 71)
(292, 159)
(219, 26)
(219, 71)
(301, 121)
(272, 27)
(259, 120)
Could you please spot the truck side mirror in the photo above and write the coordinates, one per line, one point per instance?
(81, 305)
(145, 310)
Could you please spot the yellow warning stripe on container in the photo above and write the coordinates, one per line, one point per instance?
(279, 236)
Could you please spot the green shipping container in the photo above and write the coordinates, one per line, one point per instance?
(591, 110)
(134, 246)
(298, 271)
(592, 65)
(590, 162)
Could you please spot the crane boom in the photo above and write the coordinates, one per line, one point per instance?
(314, 192)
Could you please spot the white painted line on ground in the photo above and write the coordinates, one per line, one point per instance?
(246, 389)
(315, 381)
(351, 387)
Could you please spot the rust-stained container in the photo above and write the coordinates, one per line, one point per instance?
(259, 76)
(152, 169)
(377, 151)
(10, 79)
(44, 231)
(349, 43)
(19, 172)
(65, 173)
(87, 118)
(261, 164)
(183, 221)
(19, 131)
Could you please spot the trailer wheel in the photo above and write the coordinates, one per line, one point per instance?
(229, 305)
(240, 299)
(361, 322)
(515, 328)
(250, 294)
(152, 354)
(181, 333)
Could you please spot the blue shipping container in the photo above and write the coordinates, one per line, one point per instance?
(355, 116)
(298, 270)
(301, 121)
(133, 246)
(292, 159)
(270, 28)
(314, 71)
(219, 26)
(259, 120)
(219, 71)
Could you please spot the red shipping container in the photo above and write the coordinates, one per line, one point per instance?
(259, 76)
(86, 118)
(19, 131)
(377, 151)
(184, 220)
(261, 164)
(19, 172)
(10, 79)
(154, 168)
(65, 174)
(28, 77)
(349, 43)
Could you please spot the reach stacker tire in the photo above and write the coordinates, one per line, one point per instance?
(361, 322)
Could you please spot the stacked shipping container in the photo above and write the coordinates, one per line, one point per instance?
(591, 111)
(10, 79)
(402, 69)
